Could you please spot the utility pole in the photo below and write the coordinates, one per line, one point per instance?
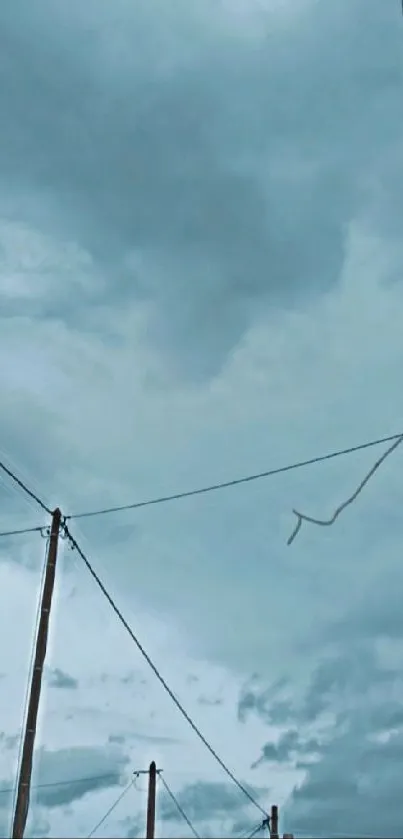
(152, 778)
(25, 773)
(274, 822)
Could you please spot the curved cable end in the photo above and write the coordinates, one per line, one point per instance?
(296, 528)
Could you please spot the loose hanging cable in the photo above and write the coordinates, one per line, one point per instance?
(236, 482)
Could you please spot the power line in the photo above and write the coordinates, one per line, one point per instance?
(24, 488)
(235, 482)
(160, 678)
(66, 783)
(247, 835)
(179, 808)
(24, 530)
(301, 517)
(257, 829)
(111, 809)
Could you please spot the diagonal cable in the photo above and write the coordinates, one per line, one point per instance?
(257, 829)
(24, 488)
(111, 809)
(179, 808)
(160, 678)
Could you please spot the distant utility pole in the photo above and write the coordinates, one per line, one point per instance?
(273, 825)
(24, 778)
(274, 822)
(152, 778)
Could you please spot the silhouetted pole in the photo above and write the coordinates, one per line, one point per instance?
(274, 822)
(24, 778)
(152, 777)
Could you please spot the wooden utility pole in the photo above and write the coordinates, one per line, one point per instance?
(25, 773)
(274, 822)
(152, 778)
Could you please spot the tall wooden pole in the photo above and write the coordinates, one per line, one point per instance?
(152, 778)
(25, 773)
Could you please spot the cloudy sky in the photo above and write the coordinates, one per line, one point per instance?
(201, 277)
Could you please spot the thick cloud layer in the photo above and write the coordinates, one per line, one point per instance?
(200, 278)
(200, 167)
(345, 734)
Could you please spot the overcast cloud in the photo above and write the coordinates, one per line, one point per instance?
(200, 278)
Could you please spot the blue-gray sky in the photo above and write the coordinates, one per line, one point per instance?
(201, 277)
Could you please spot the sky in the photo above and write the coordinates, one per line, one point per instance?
(201, 278)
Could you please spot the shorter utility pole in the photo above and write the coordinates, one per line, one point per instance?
(274, 822)
(152, 779)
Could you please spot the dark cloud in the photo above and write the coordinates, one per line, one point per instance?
(8, 741)
(378, 613)
(280, 712)
(134, 827)
(116, 738)
(67, 775)
(281, 752)
(354, 778)
(58, 679)
(203, 801)
(133, 678)
(140, 738)
(206, 190)
(210, 701)
(265, 702)
(334, 677)
(345, 733)
(254, 700)
(339, 675)
(355, 784)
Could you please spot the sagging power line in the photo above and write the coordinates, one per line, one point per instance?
(177, 496)
(214, 487)
(69, 782)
